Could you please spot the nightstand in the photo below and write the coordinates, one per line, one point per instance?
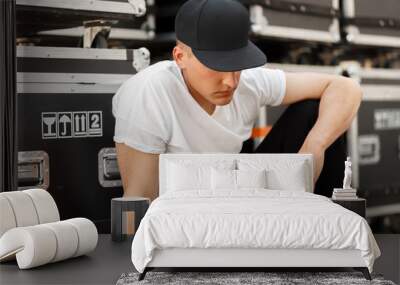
(126, 214)
(357, 205)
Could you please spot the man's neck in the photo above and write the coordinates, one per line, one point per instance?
(206, 105)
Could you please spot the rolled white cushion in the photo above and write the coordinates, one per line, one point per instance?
(40, 244)
(87, 235)
(33, 245)
(67, 239)
(23, 208)
(7, 218)
(45, 205)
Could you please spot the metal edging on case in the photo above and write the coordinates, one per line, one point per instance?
(76, 53)
(304, 68)
(335, 4)
(386, 210)
(374, 92)
(40, 157)
(146, 31)
(295, 33)
(354, 36)
(140, 57)
(115, 33)
(133, 7)
(352, 150)
(380, 73)
(353, 70)
(104, 154)
(47, 77)
(348, 8)
(261, 27)
(131, 34)
(57, 88)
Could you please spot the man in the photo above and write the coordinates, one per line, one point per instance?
(208, 98)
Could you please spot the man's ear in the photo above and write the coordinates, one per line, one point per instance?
(178, 54)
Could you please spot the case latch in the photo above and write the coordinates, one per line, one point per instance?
(33, 170)
(369, 149)
(109, 175)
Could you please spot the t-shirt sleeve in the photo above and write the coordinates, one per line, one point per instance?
(269, 84)
(139, 117)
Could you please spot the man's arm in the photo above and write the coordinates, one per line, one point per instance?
(340, 98)
(139, 171)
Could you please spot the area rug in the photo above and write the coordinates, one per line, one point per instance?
(242, 278)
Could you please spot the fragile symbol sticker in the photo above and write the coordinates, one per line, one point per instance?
(72, 124)
(49, 125)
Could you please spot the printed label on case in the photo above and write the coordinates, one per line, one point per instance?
(61, 125)
(387, 119)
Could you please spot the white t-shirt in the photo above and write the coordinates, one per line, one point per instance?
(155, 112)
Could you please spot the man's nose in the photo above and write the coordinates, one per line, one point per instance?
(231, 79)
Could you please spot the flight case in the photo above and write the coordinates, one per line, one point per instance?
(47, 19)
(66, 126)
(374, 142)
(373, 23)
(309, 20)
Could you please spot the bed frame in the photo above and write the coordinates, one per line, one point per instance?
(256, 258)
(242, 258)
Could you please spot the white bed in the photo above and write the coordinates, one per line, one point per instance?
(193, 225)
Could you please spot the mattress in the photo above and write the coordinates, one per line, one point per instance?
(250, 218)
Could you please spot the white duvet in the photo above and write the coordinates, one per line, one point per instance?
(253, 218)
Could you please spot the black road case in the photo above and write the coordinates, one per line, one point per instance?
(374, 143)
(65, 125)
(372, 23)
(49, 20)
(373, 140)
(306, 20)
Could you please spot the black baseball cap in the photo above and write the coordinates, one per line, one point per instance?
(218, 33)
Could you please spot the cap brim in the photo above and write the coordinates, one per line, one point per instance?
(234, 60)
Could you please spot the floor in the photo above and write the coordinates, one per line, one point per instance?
(389, 262)
(110, 260)
(102, 266)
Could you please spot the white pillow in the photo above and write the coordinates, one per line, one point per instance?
(223, 179)
(293, 179)
(183, 177)
(236, 179)
(251, 178)
(281, 174)
(188, 175)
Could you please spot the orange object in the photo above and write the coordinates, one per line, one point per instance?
(260, 132)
